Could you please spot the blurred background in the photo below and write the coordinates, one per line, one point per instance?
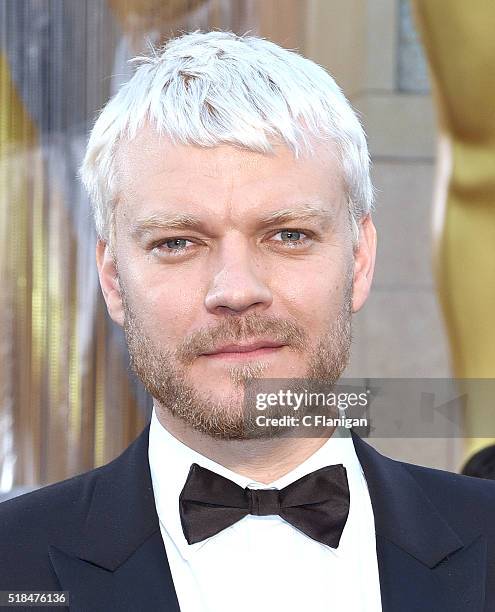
(423, 82)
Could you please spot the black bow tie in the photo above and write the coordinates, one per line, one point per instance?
(317, 504)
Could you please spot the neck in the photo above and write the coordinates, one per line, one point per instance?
(264, 460)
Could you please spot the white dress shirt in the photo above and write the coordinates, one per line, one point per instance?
(262, 563)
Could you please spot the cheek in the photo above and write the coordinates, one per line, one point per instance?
(314, 293)
(167, 308)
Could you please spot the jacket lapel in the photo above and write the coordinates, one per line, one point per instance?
(120, 563)
(423, 564)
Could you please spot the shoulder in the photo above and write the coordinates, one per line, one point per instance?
(63, 506)
(468, 502)
(42, 505)
(31, 522)
(456, 493)
(447, 481)
(57, 515)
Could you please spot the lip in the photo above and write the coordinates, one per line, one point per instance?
(260, 347)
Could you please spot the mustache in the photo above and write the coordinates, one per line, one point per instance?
(235, 329)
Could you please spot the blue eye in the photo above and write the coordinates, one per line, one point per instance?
(172, 247)
(176, 244)
(290, 235)
(292, 239)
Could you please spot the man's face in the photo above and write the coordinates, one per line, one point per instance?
(229, 265)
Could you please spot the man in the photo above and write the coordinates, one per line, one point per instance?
(481, 464)
(232, 198)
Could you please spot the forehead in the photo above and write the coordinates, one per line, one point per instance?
(152, 171)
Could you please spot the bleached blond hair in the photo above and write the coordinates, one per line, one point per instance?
(214, 88)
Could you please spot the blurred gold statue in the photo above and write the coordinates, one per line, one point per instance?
(460, 47)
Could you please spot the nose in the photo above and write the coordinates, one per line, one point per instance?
(237, 285)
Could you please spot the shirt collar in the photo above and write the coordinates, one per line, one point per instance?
(170, 461)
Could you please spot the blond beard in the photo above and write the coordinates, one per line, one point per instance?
(230, 418)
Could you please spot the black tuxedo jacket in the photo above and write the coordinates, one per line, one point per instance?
(97, 536)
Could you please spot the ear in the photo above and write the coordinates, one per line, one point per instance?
(364, 262)
(109, 282)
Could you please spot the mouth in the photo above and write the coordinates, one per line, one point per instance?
(253, 350)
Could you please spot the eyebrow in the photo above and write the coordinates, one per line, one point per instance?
(182, 221)
(307, 211)
(164, 221)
